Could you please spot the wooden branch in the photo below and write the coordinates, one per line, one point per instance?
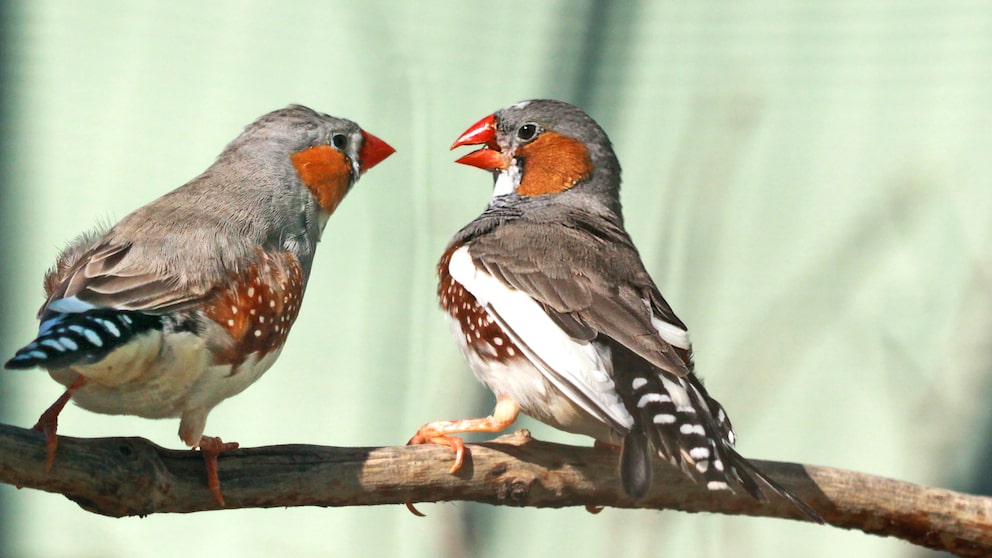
(132, 476)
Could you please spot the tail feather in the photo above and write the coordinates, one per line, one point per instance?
(681, 434)
(691, 430)
(747, 472)
(78, 338)
(635, 464)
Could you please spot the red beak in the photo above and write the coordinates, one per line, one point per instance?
(482, 132)
(373, 151)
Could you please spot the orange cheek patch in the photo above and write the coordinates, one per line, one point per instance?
(326, 172)
(553, 163)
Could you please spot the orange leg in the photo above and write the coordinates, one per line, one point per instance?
(49, 420)
(210, 448)
(504, 415)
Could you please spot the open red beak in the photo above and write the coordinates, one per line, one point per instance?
(373, 151)
(482, 132)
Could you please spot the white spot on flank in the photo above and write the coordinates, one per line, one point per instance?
(251, 291)
(272, 304)
(638, 383)
(261, 319)
(258, 333)
(564, 362)
(230, 323)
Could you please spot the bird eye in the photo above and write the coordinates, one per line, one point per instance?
(339, 140)
(527, 131)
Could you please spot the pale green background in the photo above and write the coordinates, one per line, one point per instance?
(808, 182)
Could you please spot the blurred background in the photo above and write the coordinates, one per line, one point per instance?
(809, 184)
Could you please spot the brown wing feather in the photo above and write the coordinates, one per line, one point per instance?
(590, 284)
(103, 276)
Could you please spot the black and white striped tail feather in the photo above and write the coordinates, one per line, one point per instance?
(678, 423)
(741, 470)
(79, 338)
(696, 437)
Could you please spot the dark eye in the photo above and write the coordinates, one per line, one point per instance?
(527, 131)
(339, 140)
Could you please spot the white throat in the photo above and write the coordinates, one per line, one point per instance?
(507, 181)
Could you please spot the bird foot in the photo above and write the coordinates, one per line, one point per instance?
(437, 432)
(427, 435)
(48, 422)
(210, 448)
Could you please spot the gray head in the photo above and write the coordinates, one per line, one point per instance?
(547, 150)
(296, 128)
(285, 160)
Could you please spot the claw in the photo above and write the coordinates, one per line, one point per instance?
(414, 510)
(426, 436)
(210, 448)
(504, 414)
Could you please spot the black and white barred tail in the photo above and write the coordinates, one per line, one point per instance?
(685, 426)
(79, 338)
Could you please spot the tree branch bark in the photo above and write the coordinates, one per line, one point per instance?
(132, 476)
